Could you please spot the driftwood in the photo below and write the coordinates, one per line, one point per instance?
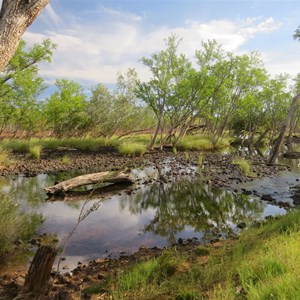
(36, 281)
(92, 194)
(94, 178)
(291, 155)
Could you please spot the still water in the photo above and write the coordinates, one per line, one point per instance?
(155, 214)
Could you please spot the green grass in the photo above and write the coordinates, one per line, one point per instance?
(65, 159)
(14, 225)
(84, 144)
(243, 164)
(4, 157)
(35, 151)
(140, 139)
(202, 143)
(20, 146)
(132, 149)
(264, 263)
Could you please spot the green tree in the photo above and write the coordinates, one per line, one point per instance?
(20, 87)
(166, 69)
(65, 109)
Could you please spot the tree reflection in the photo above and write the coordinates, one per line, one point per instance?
(205, 208)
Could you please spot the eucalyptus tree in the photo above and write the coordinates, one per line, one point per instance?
(20, 86)
(65, 109)
(15, 17)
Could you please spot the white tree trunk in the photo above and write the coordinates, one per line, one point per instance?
(102, 177)
(15, 17)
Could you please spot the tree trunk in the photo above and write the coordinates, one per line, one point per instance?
(159, 124)
(15, 17)
(261, 137)
(277, 146)
(39, 273)
(102, 177)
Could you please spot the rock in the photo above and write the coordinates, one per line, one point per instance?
(63, 294)
(245, 192)
(284, 204)
(267, 197)
(241, 225)
(180, 241)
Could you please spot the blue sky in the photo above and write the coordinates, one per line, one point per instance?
(96, 39)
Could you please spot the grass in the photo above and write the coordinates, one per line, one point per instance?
(132, 149)
(202, 143)
(35, 151)
(264, 263)
(84, 144)
(14, 225)
(243, 164)
(66, 159)
(4, 157)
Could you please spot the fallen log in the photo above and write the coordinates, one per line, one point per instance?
(291, 155)
(91, 194)
(94, 178)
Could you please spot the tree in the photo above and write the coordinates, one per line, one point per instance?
(15, 17)
(65, 109)
(166, 69)
(289, 116)
(118, 110)
(296, 35)
(20, 86)
(276, 149)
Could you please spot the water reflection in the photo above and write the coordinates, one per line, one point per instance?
(152, 215)
(185, 203)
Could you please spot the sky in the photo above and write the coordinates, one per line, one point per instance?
(96, 39)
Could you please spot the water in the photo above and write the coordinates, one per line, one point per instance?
(153, 215)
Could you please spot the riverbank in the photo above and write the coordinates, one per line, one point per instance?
(220, 169)
(263, 263)
(215, 169)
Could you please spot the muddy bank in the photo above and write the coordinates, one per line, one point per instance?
(216, 169)
(77, 283)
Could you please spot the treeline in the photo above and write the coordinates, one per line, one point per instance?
(218, 91)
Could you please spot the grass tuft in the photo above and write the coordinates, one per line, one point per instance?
(132, 149)
(4, 157)
(243, 164)
(35, 151)
(65, 159)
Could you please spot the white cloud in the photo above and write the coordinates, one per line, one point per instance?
(96, 52)
(283, 62)
(117, 13)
